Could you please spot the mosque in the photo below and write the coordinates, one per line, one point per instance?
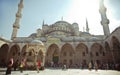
(62, 43)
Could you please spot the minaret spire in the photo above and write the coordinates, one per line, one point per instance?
(43, 23)
(104, 19)
(87, 27)
(16, 25)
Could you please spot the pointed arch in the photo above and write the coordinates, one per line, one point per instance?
(109, 54)
(107, 47)
(31, 52)
(67, 54)
(116, 49)
(31, 55)
(24, 52)
(97, 51)
(3, 53)
(115, 43)
(14, 52)
(97, 47)
(81, 53)
(52, 54)
(82, 47)
(40, 55)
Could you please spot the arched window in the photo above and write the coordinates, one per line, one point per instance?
(65, 61)
(97, 54)
(64, 54)
(13, 53)
(24, 54)
(71, 54)
(83, 53)
(103, 53)
(30, 53)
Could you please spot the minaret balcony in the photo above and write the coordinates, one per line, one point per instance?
(16, 26)
(18, 15)
(105, 22)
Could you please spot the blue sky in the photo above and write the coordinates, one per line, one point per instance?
(35, 11)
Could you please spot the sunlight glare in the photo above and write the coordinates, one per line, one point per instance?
(82, 9)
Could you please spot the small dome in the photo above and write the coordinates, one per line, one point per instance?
(33, 35)
(43, 39)
(80, 39)
(93, 39)
(75, 23)
(37, 42)
(86, 33)
(67, 39)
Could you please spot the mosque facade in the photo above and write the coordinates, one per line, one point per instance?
(63, 43)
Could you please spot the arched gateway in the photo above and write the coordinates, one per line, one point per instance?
(67, 55)
(3, 54)
(52, 54)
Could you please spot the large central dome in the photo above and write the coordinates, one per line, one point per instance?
(62, 23)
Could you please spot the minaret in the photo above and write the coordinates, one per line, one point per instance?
(16, 25)
(43, 23)
(104, 19)
(87, 28)
(62, 18)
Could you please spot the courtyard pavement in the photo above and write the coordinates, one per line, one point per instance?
(63, 72)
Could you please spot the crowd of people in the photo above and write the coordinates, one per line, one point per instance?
(21, 64)
(15, 65)
(90, 66)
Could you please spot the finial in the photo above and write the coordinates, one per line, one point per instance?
(87, 28)
(21, 4)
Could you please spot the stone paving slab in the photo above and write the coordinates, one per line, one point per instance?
(66, 72)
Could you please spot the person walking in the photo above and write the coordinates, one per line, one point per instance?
(9, 67)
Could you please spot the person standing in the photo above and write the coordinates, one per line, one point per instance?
(9, 67)
(15, 65)
(90, 66)
(64, 67)
(22, 64)
(38, 65)
(96, 66)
